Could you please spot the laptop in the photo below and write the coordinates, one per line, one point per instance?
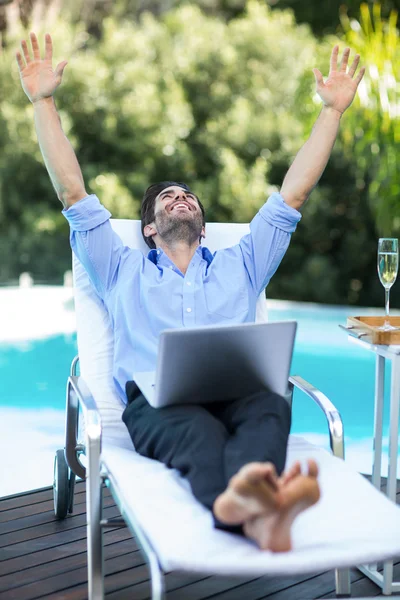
(206, 364)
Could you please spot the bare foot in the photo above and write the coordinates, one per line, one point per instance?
(297, 493)
(253, 491)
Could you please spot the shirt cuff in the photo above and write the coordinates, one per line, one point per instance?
(86, 214)
(279, 214)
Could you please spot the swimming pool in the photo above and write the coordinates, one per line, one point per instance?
(33, 375)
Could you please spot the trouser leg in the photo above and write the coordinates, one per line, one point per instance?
(258, 427)
(209, 444)
(187, 438)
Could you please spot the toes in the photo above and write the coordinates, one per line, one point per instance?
(294, 471)
(272, 479)
(256, 472)
(312, 468)
(270, 473)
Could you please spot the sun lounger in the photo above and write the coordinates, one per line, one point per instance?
(157, 503)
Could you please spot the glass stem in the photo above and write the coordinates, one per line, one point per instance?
(387, 291)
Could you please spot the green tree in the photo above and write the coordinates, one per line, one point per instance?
(213, 105)
(224, 106)
(325, 18)
(376, 119)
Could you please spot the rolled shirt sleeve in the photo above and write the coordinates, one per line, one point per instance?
(94, 242)
(269, 238)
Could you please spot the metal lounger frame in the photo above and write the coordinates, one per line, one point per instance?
(79, 396)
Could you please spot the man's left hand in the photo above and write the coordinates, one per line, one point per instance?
(339, 89)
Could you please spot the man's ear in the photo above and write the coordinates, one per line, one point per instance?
(149, 230)
(203, 232)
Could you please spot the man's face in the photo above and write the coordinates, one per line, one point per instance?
(177, 217)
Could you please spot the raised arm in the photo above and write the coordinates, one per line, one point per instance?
(39, 82)
(337, 93)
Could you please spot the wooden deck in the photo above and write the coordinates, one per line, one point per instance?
(41, 557)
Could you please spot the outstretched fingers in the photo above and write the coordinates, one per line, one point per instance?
(20, 61)
(345, 60)
(59, 70)
(334, 57)
(25, 50)
(318, 77)
(360, 75)
(35, 46)
(354, 65)
(26, 53)
(48, 51)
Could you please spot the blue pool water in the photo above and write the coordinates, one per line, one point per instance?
(342, 370)
(33, 374)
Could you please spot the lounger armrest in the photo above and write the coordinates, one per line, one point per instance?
(78, 394)
(333, 417)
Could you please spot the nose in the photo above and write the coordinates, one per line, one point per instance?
(180, 195)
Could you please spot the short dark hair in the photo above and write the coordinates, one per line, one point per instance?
(149, 201)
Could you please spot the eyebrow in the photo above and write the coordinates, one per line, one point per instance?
(166, 192)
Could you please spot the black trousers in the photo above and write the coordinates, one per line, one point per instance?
(209, 443)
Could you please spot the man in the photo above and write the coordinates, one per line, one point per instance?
(233, 452)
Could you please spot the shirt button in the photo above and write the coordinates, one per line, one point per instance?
(188, 283)
(171, 267)
(188, 310)
(158, 252)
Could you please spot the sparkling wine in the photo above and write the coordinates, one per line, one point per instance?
(387, 267)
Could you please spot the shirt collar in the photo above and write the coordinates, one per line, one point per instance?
(204, 253)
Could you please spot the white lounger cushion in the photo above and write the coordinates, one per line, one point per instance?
(352, 524)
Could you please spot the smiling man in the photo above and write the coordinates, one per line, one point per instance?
(233, 453)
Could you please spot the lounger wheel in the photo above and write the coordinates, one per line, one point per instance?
(71, 490)
(61, 485)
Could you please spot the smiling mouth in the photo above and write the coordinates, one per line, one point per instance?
(180, 206)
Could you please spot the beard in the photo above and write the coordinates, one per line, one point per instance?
(175, 228)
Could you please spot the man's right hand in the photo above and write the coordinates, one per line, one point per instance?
(38, 78)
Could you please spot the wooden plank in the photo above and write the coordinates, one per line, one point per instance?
(60, 536)
(319, 586)
(11, 503)
(361, 587)
(237, 588)
(34, 509)
(43, 518)
(214, 585)
(35, 533)
(122, 586)
(63, 564)
(365, 587)
(113, 581)
(51, 563)
(61, 551)
(254, 589)
(141, 591)
(62, 581)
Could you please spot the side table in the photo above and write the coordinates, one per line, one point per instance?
(383, 353)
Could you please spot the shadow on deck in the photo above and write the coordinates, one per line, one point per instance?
(41, 557)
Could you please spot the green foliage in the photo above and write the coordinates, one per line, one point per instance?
(213, 105)
(222, 105)
(372, 132)
(357, 199)
(324, 18)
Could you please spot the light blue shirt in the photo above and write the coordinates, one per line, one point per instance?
(145, 295)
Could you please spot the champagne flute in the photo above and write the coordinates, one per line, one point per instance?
(388, 262)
